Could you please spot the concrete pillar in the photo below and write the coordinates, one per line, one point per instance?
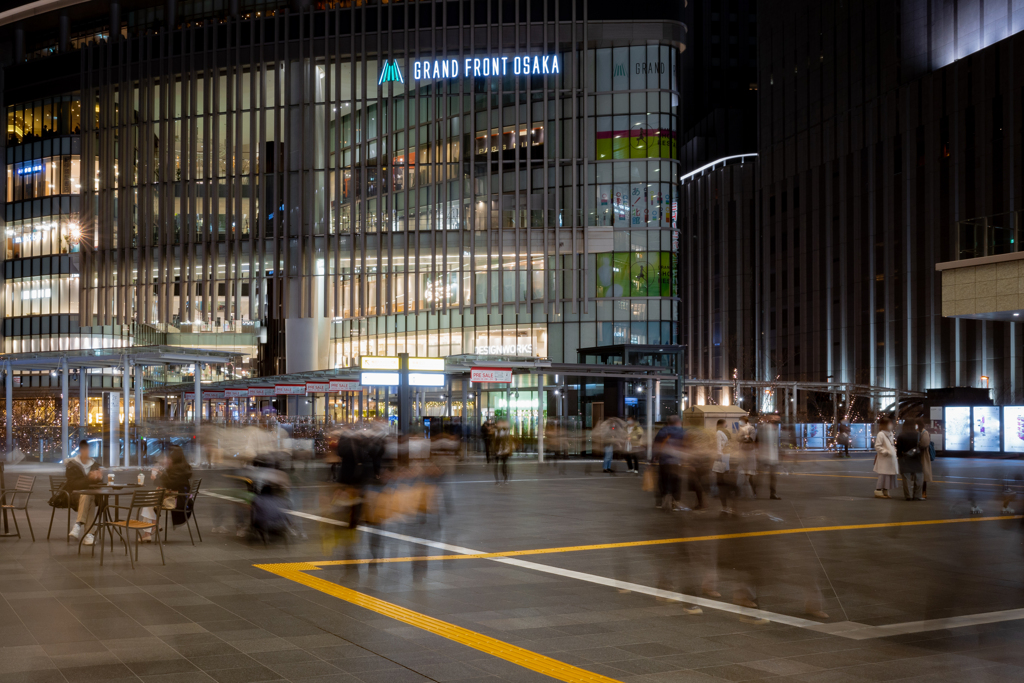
(115, 20)
(657, 400)
(540, 418)
(650, 420)
(63, 32)
(9, 393)
(65, 398)
(171, 14)
(19, 43)
(113, 411)
(199, 397)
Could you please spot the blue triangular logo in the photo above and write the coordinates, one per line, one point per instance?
(391, 73)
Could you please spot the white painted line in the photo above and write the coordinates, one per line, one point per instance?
(844, 629)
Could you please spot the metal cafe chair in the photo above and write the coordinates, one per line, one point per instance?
(62, 498)
(10, 499)
(151, 498)
(186, 504)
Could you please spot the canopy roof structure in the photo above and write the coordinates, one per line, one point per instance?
(114, 358)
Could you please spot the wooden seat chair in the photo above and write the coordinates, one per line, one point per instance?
(140, 499)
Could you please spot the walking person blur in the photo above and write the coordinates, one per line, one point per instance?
(666, 455)
(698, 453)
(886, 465)
(502, 452)
(924, 442)
(908, 456)
(634, 445)
(767, 442)
(725, 478)
(487, 433)
(843, 438)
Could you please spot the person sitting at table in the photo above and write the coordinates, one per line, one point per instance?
(174, 479)
(82, 472)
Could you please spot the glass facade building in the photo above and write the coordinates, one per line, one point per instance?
(353, 178)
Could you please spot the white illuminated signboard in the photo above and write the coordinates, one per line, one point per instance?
(958, 429)
(517, 65)
(505, 350)
(378, 362)
(345, 385)
(318, 387)
(428, 364)
(1013, 429)
(290, 389)
(262, 391)
(379, 379)
(986, 429)
(426, 379)
(236, 393)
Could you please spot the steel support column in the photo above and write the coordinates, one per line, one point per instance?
(65, 398)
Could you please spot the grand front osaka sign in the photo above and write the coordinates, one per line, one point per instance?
(519, 65)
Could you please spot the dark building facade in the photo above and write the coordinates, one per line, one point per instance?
(882, 128)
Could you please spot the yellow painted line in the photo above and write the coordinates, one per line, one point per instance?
(525, 658)
(668, 541)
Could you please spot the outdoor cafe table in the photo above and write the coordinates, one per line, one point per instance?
(103, 495)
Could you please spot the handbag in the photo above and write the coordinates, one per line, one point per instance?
(931, 451)
(650, 479)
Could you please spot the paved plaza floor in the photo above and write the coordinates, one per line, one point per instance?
(572, 576)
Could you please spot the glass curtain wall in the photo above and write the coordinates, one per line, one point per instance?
(404, 208)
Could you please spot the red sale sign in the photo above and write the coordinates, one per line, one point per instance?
(503, 375)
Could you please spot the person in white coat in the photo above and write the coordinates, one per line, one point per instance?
(886, 465)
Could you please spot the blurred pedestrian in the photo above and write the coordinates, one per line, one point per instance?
(502, 452)
(698, 454)
(843, 438)
(767, 450)
(634, 445)
(924, 443)
(725, 478)
(909, 460)
(886, 465)
(667, 444)
(488, 432)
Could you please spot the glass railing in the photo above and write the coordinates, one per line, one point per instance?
(990, 235)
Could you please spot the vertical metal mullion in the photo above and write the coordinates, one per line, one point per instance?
(338, 304)
(288, 230)
(441, 231)
(517, 216)
(279, 184)
(307, 107)
(381, 147)
(548, 149)
(471, 219)
(556, 296)
(574, 202)
(388, 154)
(354, 224)
(501, 171)
(493, 198)
(581, 130)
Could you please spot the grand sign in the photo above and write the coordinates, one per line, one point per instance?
(518, 65)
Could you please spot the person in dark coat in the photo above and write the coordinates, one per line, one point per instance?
(175, 480)
(667, 444)
(908, 455)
